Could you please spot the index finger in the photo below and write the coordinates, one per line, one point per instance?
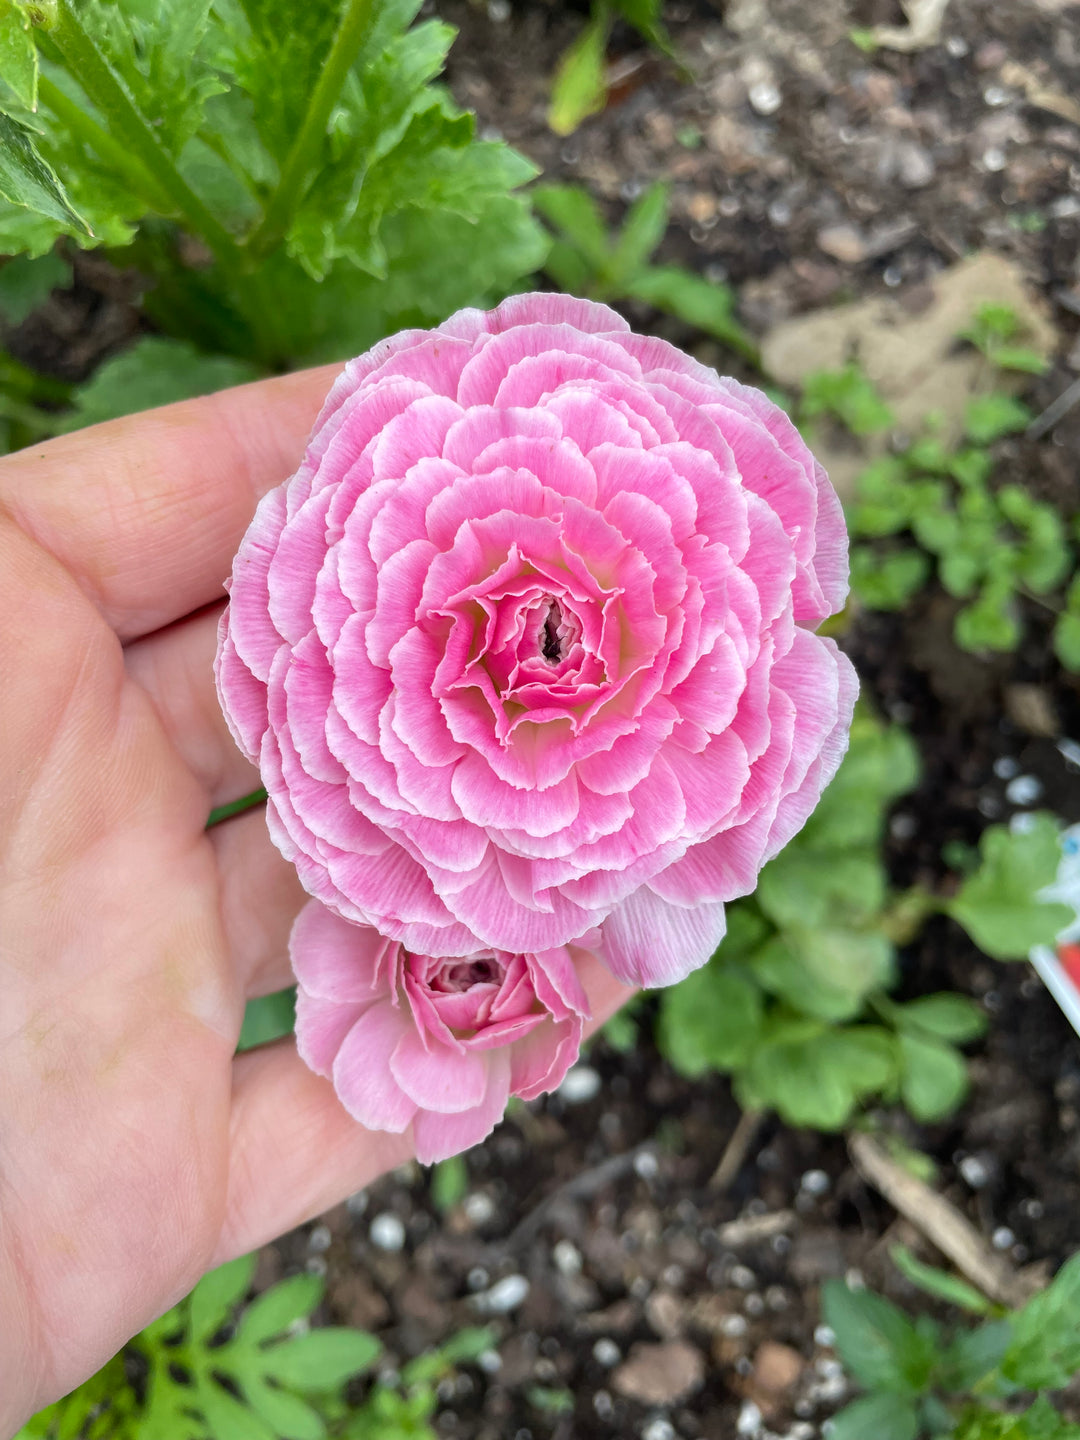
(147, 512)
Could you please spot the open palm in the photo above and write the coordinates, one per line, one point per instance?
(135, 1150)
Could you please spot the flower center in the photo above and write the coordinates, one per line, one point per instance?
(462, 975)
(551, 641)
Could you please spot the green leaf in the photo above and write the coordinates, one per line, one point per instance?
(641, 233)
(992, 622)
(29, 181)
(217, 1294)
(272, 1312)
(1067, 640)
(695, 300)
(825, 972)
(887, 582)
(940, 1283)
(572, 210)
(850, 396)
(154, 371)
(882, 764)
(709, 1021)
(287, 1415)
(814, 1076)
(580, 85)
(644, 16)
(268, 1018)
(988, 417)
(18, 53)
(226, 1417)
(933, 1078)
(945, 1016)
(323, 1359)
(881, 1348)
(449, 1182)
(1017, 357)
(998, 905)
(974, 1354)
(26, 283)
(882, 1417)
(1045, 1349)
(806, 888)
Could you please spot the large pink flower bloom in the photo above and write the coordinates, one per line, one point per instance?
(433, 1042)
(526, 644)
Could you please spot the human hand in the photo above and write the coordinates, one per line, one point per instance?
(135, 1151)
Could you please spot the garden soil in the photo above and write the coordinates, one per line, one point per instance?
(631, 1296)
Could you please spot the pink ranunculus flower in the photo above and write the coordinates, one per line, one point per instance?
(526, 645)
(429, 1041)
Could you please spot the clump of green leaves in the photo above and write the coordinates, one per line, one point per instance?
(214, 1368)
(580, 87)
(987, 1383)
(285, 173)
(795, 1003)
(989, 543)
(585, 259)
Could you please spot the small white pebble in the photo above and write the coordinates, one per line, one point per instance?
(603, 1405)
(754, 1304)
(994, 159)
(957, 46)
(825, 1337)
(854, 1279)
(658, 1429)
(749, 1421)
(477, 1278)
(673, 1276)
(974, 1171)
(801, 1431)
(1005, 767)
(606, 1352)
(743, 1277)
(505, 1295)
(580, 1083)
(996, 95)
(776, 1298)
(479, 1208)
(815, 1182)
(315, 1265)
(387, 1231)
(765, 97)
(498, 11)
(490, 1361)
(1033, 1209)
(646, 1165)
(320, 1239)
(1003, 1238)
(1024, 790)
(733, 1326)
(567, 1258)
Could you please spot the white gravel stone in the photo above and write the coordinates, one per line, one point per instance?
(505, 1295)
(387, 1231)
(581, 1083)
(567, 1258)
(479, 1208)
(606, 1352)
(749, 1421)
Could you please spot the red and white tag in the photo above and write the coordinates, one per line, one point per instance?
(1060, 968)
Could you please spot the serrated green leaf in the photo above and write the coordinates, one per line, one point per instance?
(323, 1359)
(709, 1021)
(580, 85)
(945, 1016)
(939, 1283)
(998, 905)
(26, 283)
(934, 1077)
(272, 1312)
(815, 1076)
(881, 1348)
(641, 233)
(154, 371)
(217, 1294)
(876, 1417)
(18, 53)
(28, 180)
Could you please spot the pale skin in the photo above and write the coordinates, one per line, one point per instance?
(135, 1151)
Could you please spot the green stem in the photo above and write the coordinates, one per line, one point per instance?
(108, 93)
(303, 158)
(86, 129)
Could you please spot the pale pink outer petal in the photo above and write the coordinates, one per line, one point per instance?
(336, 960)
(321, 1026)
(362, 1075)
(438, 1136)
(436, 1077)
(649, 941)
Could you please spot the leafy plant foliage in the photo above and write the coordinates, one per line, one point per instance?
(214, 1368)
(580, 86)
(283, 172)
(987, 1383)
(585, 259)
(795, 1002)
(990, 542)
